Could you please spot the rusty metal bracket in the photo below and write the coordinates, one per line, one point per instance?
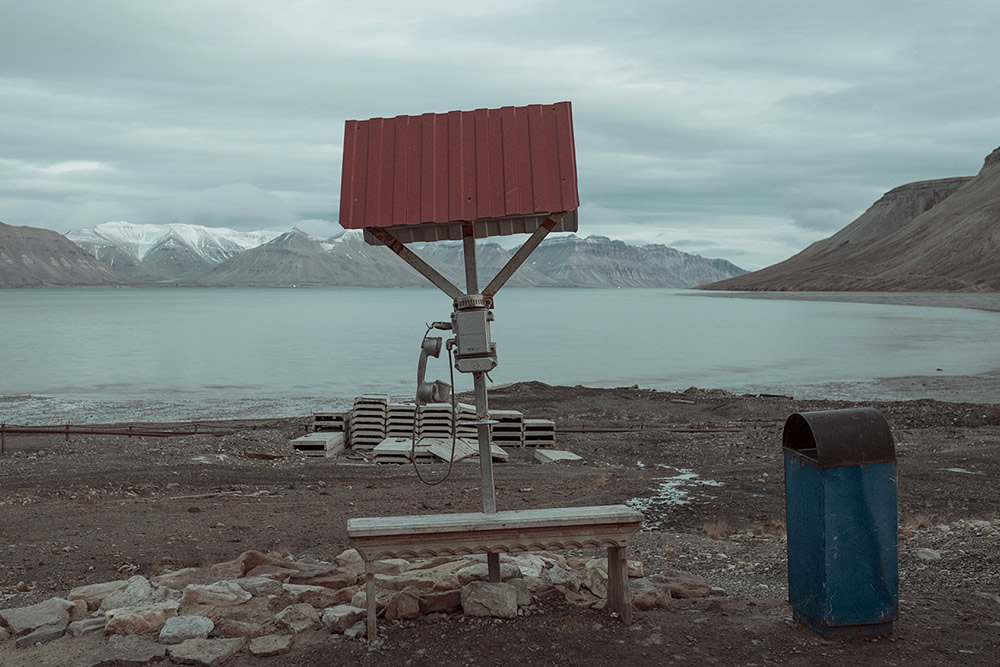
(512, 265)
(386, 238)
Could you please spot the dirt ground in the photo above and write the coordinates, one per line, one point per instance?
(705, 467)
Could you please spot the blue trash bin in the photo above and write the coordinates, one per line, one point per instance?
(842, 521)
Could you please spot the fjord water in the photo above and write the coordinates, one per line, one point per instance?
(101, 355)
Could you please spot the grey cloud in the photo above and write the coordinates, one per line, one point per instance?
(741, 128)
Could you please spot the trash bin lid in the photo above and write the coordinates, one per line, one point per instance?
(836, 438)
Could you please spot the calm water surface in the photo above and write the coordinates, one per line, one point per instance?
(97, 355)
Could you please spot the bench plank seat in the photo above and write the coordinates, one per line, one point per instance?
(604, 526)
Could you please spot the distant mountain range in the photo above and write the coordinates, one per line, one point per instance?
(941, 235)
(120, 253)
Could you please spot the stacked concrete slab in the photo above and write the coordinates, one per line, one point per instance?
(328, 421)
(400, 420)
(435, 420)
(368, 421)
(509, 428)
(465, 415)
(539, 433)
(320, 443)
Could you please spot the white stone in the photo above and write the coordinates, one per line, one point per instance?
(41, 635)
(85, 626)
(529, 565)
(205, 652)
(560, 576)
(137, 591)
(298, 618)
(595, 577)
(141, 619)
(260, 586)
(94, 594)
(268, 645)
(484, 598)
(219, 594)
(928, 554)
(22, 620)
(343, 616)
(182, 628)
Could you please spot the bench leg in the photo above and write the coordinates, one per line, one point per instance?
(619, 598)
(370, 594)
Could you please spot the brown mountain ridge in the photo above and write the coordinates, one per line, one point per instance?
(929, 236)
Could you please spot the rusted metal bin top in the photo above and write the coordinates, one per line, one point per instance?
(836, 438)
(423, 176)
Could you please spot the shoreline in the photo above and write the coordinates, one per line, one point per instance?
(987, 301)
(979, 389)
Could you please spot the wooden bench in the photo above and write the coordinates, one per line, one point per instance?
(610, 526)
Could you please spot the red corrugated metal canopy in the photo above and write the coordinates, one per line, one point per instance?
(423, 176)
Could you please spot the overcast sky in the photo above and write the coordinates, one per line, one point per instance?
(735, 129)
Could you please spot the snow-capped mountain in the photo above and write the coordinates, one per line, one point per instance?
(173, 252)
(191, 255)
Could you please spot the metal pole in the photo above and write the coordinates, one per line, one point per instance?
(482, 408)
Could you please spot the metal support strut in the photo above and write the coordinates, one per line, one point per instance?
(482, 407)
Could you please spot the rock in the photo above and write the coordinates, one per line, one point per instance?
(22, 620)
(583, 598)
(231, 627)
(181, 579)
(928, 555)
(436, 602)
(528, 564)
(648, 595)
(228, 570)
(253, 559)
(205, 652)
(268, 645)
(219, 594)
(272, 572)
(402, 604)
(390, 566)
(359, 629)
(125, 652)
(360, 599)
(94, 594)
(317, 596)
(204, 610)
(137, 591)
(4, 635)
(427, 580)
(78, 611)
(351, 560)
(560, 576)
(140, 619)
(328, 577)
(484, 598)
(682, 584)
(85, 626)
(595, 577)
(41, 635)
(343, 616)
(260, 586)
(480, 572)
(182, 628)
(635, 569)
(523, 592)
(298, 618)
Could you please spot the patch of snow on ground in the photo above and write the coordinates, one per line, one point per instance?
(671, 492)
